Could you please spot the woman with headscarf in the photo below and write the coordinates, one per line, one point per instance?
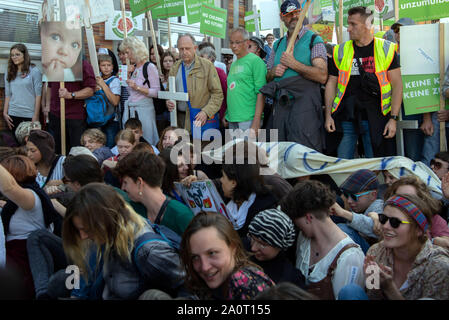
(41, 150)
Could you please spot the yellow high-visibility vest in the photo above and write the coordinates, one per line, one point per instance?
(383, 57)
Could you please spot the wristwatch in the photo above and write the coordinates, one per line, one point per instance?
(394, 117)
(73, 95)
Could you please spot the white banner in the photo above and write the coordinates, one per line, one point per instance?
(114, 27)
(269, 15)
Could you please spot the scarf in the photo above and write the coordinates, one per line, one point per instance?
(238, 215)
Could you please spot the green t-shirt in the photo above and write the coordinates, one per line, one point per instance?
(177, 216)
(137, 206)
(246, 76)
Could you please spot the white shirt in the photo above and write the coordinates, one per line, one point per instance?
(220, 65)
(349, 266)
(58, 173)
(23, 222)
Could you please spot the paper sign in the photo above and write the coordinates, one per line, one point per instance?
(168, 8)
(423, 10)
(193, 9)
(324, 30)
(250, 25)
(142, 6)
(348, 4)
(213, 21)
(269, 15)
(420, 67)
(123, 74)
(202, 196)
(114, 28)
(61, 52)
(101, 10)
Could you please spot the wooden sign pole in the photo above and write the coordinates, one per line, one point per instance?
(62, 115)
(169, 35)
(340, 20)
(153, 38)
(125, 28)
(91, 39)
(302, 15)
(443, 141)
(396, 10)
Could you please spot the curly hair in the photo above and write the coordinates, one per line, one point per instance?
(137, 47)
(308, 197)
(95, 134)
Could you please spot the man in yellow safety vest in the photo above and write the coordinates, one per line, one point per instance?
(364, 91)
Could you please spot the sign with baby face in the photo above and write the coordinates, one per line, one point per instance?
(61, 51)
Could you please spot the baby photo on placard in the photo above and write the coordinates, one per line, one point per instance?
(61, 51)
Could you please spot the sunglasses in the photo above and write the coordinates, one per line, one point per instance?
(394, 222)
(355, 196)
(438, 165)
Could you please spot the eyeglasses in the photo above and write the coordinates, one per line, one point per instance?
(254, 241)
(438, 165)
(236, 42)
(355, 196)
(394, 222)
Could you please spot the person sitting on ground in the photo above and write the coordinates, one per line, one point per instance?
(215, 263)
(285, 291)
(270, 234)
(360, 191)
(327, 257)
(141, 174)
(95, 140)
(439, 230)
(23, 131)
(97, 232)
(406, 264)
(28, 208)
(125, 141)
(168, 138)
(135, 125)
(41, 150)
(440, 164)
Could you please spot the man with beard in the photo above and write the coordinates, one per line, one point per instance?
(297, 77)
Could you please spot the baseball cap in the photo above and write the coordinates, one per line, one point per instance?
(361, 180)
(290, 6)
(402, 22)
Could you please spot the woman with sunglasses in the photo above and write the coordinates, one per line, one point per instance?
(404, 265)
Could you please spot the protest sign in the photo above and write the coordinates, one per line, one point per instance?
(328, 11)
(325, 31)
(384, 8)
(269, 15)
(250, 25)
(202, 196)
(348, 4)
(142, 6)
(213, 21)
(420, 67)
(193, 9)
(168, 8)
(424, 10)
(114, 28)
(61, 51)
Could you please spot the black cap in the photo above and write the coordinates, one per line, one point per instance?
(289, 6)
(260, 45)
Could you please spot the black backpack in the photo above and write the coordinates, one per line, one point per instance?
(159, 104)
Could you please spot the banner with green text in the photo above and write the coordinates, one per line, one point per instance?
(213, 21)
(250, 25)
(193, 9)
(423, 10)
(348, 4)
(420, 67)
(142, 6)
(168, 8)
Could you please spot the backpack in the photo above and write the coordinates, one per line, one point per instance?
(162, 234)
(99, 109)
(159, 104)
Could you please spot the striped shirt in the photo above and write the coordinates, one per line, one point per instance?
(318, 50)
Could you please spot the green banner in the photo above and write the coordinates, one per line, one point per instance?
(250, 25)
(168, 8)
(213, 21)
(142, 6)
(193, 9)
(421, 93)
(348, 4)
(423, 10)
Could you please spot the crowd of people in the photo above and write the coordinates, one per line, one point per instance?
(110, 210)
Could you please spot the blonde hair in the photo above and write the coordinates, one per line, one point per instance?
(96, 134)
(126, 135)
(137, 47)
(104, 57)
(110, 222)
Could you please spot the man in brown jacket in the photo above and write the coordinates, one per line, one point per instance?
(203, 84)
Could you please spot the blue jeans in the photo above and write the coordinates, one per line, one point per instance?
(110, 130)
(355, 236)
(348, 143)
(432, 144)
(352, 292)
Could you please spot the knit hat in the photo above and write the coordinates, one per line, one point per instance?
(273, 227)
(24, 128)
(361, 180)
(45, 143)
(410, 209)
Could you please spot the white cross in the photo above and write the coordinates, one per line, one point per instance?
(145, 33)
(401, 125)
(256, 17)
(173, 95)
